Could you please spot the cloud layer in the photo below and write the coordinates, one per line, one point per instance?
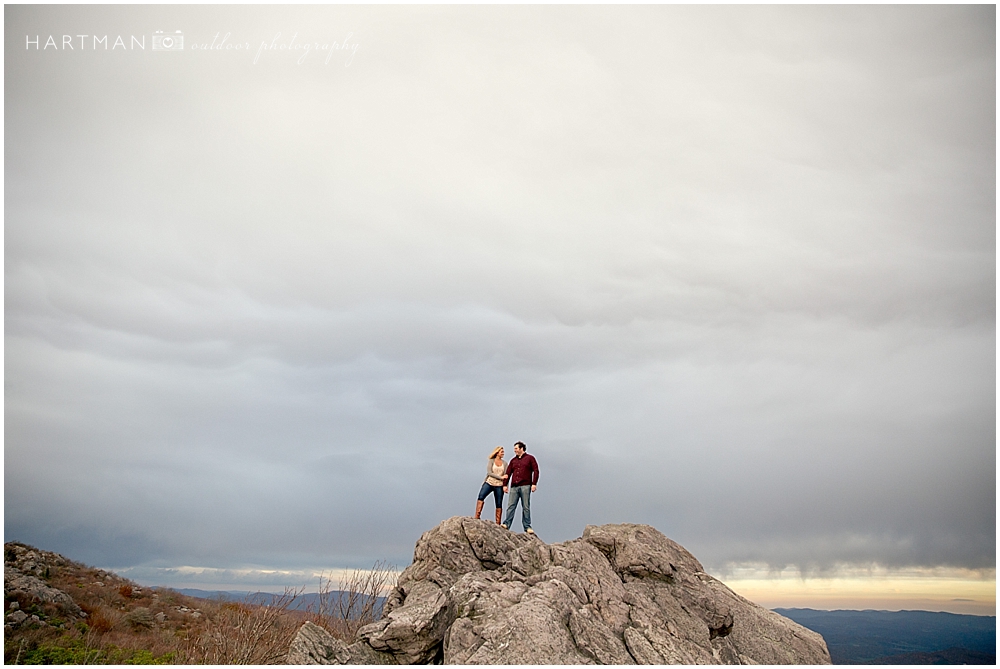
(727, 270)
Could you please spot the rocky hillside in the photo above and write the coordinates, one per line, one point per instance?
(621, 594)
(62, 612)
(28, 598)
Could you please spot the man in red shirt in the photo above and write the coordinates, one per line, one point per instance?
(522, 481)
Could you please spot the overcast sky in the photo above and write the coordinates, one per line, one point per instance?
(730, 271)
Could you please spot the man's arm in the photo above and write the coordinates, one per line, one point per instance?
(534, 473)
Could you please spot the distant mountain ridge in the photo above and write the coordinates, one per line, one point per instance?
(947, 656)
(305, 602)
(901, 637)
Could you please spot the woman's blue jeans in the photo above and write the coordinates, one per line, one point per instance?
(523, 493)
(497, 493)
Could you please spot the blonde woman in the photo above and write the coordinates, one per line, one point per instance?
(496, 477)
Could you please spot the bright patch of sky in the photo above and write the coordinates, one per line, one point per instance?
(952, 590)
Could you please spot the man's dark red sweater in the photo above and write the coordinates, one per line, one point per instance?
(522, 470)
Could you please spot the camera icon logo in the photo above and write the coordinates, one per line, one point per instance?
(163, 42)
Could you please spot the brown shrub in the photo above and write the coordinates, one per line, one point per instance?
(257, 630)
(125, 591)
(99, 622)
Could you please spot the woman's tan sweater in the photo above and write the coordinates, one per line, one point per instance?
(494, 474)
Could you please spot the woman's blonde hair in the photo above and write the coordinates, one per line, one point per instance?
(493, 453)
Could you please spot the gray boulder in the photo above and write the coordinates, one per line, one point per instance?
(17, 583)
(25, 568)
(314, 645)
(621, 594)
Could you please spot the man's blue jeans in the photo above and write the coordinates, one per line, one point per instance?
(523, 493)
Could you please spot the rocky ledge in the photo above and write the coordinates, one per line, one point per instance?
(621, 594)
(23, 570)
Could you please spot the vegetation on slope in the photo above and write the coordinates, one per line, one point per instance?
(107, 619)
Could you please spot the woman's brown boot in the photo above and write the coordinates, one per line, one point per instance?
(479, 508)
(499, 512)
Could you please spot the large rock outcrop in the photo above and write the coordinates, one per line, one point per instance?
(23, 570)
(621, 594)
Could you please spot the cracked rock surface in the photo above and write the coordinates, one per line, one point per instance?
(620, 594)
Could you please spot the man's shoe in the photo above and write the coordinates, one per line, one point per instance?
(529, 531)
(503, 525)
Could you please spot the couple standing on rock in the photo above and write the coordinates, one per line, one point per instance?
(521, 475)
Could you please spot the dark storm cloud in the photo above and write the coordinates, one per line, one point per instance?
(728, 271)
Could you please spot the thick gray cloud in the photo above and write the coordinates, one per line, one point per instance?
(727, 270)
